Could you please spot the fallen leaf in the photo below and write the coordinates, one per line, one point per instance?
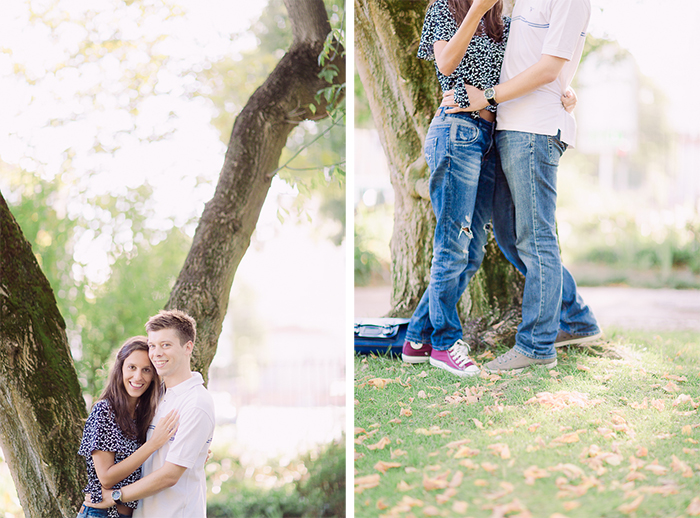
(571, 505)
(366, 482)
(563, 399)
(693, 508)
(423, 374)
(533, 473)
(570, 470)
(490, 467)
(687, 430)
(381, 505)
(656, 468)
(360, 430)
(431, 510)
(422, 394)
(460, 507)
(384, 441)
(454, 444)
(379, 383)
(444, 414)
(533, 427)
(678, 465)
(468, 463)
(568, 438)
(397, 453)
(671, 387)
(433, 430)
(632, 506)
(404, 486)
(506, 488)
(384, 466)
(500, 449)
(457, 479)
(480, 482)
(443, 498)
(658, 404)
(439, 482)
(582, 367)
(478, 424)
(674, 377)
(406, 412)
(642, 452)
(395, 420)
(558, 515)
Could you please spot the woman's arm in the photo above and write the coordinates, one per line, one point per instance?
(449, 54)
(110, 473)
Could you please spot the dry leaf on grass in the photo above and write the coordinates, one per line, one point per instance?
(563, 399)
(455, 444)
(431, 510)
(533, 473)
(656, 468)
(678, 465)
(366, 482)
(404, 486)
(674, 377)
(457, 479)
(397, 453)
(439, 482)
(671, 387)
(443, 498)
(500, 449)
(433, 430)
(406, 412)
(490, 467)
(384, 441)
(383, 466)
(460, 507)
(478, 423)
(379, 383)
(480, 482)
(568, 438)
(422, 394)
(631, 506)
(571, 505)
(694, 507)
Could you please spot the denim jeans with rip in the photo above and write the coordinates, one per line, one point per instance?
(461, 157)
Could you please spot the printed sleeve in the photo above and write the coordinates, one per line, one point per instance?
(100, 431)
(461, 95)
(192, 438)
(439, 25)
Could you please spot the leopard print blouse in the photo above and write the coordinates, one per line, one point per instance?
(102, 433)
(480, 66)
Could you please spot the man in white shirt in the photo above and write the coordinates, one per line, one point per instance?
(533, 130)
(174, 483)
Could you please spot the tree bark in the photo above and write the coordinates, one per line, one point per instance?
(42, 411)
(259, 135)
(403, 95)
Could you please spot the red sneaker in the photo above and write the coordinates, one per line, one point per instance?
(455, 360)
(415, 353)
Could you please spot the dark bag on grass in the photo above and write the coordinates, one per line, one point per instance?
(380, 335)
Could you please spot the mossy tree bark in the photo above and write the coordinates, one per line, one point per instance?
(403, 95)
(41, 407)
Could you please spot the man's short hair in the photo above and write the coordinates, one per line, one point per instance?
(181, 322)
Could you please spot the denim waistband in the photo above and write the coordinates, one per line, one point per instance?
(464, 116)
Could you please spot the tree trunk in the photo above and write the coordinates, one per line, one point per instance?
(403, 95)
(42, 411)
(259, 135)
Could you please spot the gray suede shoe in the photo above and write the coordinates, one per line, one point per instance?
(564, 338)
(514, 362)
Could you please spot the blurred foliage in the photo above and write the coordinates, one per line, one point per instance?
(312, 486)
(143, 262)
(373, 227)
(313, 162)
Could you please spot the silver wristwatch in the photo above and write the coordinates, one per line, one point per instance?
(490, 94)
(117, 496)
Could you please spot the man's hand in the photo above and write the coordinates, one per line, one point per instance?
(448, 101)
(104, 504)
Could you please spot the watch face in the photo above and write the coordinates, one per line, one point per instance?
(116, 495)
(489, 93)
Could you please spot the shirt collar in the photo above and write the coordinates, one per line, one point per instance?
(186, 385)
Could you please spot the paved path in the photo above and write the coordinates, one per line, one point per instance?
(623, 308)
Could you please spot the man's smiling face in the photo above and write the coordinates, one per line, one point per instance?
(170, 357)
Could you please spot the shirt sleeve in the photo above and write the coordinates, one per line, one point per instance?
(461, 95)
(567, 24)
(439, 25)
(99, 432)
(192, 437)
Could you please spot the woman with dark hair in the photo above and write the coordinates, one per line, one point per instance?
(114, 439)
(467, 40)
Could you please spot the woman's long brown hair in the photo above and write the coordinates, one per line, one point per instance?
(493, 21)
(116, 395)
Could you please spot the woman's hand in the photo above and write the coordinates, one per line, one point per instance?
(448, 101)
(165, 429)
(569, 100)
(484, 5)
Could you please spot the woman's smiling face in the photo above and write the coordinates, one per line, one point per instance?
(137, 372)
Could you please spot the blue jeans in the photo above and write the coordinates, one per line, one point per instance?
(525, 198)
(462, 159)
(91, 512)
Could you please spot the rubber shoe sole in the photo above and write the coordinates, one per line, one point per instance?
(514, 363)
(472, 370)
(564, 338)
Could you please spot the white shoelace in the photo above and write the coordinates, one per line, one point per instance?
(460, 353)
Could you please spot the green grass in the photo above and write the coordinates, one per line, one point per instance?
(613, 426)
